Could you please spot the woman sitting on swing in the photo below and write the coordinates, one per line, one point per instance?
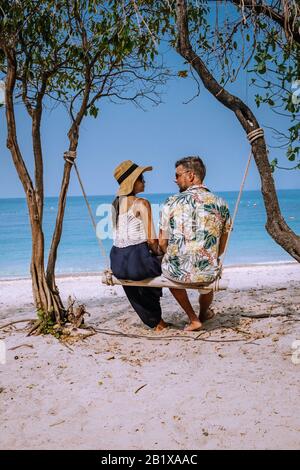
(135, 253)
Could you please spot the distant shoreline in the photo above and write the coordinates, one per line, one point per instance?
(151, 194)
(79, 274)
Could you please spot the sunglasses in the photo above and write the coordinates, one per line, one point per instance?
(177, 175)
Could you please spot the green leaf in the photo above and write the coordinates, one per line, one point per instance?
(273, 164)
(182, 73)
(94, 111)
(261, 68)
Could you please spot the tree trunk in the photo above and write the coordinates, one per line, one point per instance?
(59, 218)
(275, 225)
(73, 136)
(47, 301)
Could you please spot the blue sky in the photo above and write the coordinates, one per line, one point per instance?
(156, 137)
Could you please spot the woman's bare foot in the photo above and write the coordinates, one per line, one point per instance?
(205, 301)
(208, 315)
(193, 326)
(161, 326)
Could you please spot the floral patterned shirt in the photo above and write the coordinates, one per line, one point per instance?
(193, 222)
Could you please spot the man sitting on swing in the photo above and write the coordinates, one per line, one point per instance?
(194, 227)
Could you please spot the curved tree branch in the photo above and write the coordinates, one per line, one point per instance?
(262, 8)
(276, 225)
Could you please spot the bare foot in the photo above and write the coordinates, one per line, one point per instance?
(161, 326)
(208, 315)
(193, 326)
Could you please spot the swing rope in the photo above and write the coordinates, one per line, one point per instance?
(252, 137)
(70, 157)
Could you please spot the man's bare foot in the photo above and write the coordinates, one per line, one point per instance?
(161, 326)
(208, 315)
(193, 326)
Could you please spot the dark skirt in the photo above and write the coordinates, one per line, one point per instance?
(136, 263)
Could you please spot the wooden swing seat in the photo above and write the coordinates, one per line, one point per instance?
(162, 281)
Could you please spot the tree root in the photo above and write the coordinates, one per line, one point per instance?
(75, 314)
(266, 315)
(20, 346)
(17, 321)
(37, 324)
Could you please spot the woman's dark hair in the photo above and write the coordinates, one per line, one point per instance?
(116, 204)
(116, 208)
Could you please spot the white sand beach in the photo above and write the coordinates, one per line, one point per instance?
(233, 385)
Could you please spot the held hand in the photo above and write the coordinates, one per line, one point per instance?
(160, 252)
(157, 251)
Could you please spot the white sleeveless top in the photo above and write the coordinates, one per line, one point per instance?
(130, 230)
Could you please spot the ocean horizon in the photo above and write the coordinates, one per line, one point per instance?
(79, 249)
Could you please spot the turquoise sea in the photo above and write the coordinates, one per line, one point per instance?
(79, 249)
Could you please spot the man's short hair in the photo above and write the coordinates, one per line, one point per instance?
(194, 164)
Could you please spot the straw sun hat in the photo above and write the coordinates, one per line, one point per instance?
(126, 175)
